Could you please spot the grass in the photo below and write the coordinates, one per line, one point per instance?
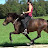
(20, 39)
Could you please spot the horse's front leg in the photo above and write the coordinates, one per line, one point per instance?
(11, 34)
(28, 38)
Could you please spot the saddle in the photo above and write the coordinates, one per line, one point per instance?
(27, 23)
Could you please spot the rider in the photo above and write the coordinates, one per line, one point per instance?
(28, 15)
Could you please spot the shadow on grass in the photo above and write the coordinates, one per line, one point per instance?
(13, 44)
(17, 44)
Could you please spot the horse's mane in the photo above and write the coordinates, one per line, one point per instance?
(13, 15)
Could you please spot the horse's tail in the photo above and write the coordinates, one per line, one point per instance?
(47, 20)
(46, 29)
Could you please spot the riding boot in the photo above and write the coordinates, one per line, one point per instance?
(25, 31)
(25, 28)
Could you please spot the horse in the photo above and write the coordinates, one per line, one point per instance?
(38, 25)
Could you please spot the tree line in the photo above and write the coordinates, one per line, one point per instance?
(40, 8)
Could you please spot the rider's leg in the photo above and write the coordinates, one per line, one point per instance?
(25, 30)
(25, 23)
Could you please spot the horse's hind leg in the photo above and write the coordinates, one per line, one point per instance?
(46, 29)
(39, 35)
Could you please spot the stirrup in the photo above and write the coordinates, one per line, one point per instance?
(25, 31)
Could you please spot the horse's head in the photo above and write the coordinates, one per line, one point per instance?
(10, 18)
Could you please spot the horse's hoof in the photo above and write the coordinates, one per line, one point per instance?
(11, 41)
(28, 43)
(31, 43)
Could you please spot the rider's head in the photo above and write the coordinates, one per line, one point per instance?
(29, 2)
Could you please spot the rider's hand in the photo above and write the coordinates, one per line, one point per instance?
(23, 12)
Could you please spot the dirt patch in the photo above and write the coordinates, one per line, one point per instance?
(33, 46)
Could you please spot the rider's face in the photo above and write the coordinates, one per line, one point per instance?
(28, 3)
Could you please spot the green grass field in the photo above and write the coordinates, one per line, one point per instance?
(20, 39)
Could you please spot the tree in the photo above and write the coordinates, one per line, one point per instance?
(40, 0)
(2, 11)
(35, 6)
(46, 7)
(41, 11)
(34, 0)
(22, 1)
(9, 1)
(39, 8)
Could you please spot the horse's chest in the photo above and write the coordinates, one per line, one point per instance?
(16, 25)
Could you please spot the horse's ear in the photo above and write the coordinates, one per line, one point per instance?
(8, 13)
(14, 13)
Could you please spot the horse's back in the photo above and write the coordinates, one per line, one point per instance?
(34, 24)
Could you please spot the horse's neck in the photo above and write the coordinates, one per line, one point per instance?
(15, 20)
(12, 21)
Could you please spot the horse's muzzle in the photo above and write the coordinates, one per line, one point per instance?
(4, 24)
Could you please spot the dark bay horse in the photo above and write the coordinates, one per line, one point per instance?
(33, 25)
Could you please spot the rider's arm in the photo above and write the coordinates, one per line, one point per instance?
(29, 9)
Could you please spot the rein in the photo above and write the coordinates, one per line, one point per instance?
(15, 20)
